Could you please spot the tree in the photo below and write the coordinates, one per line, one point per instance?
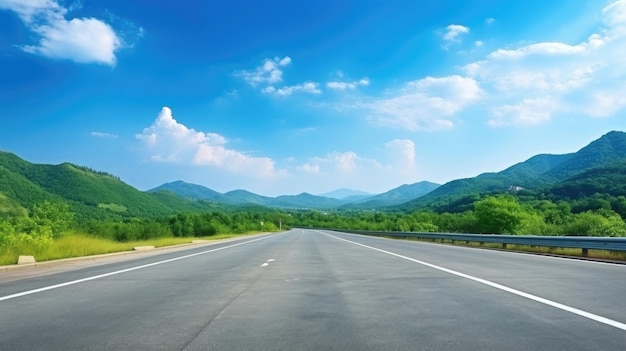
(54, 215)
(499, 214)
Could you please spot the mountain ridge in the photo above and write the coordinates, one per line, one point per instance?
(100, 194)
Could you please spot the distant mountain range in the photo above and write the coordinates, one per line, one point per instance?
(341, 198)
(344, 193)
(599, 167)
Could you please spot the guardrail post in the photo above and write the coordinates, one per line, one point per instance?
(585, 252)
(504, 245)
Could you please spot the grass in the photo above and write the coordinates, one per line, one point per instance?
(78, 244)
(113, 207)
(557, 251)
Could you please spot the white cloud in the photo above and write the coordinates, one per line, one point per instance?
(533, 83)
(306, 87)
(103, 135)
(309, 168)
(527, 112)
(269, 72)
(490, 20)
(615, 16)
(397, 165)
(167, 140)
(339, 163)
(402, 156)
(339, 85)
(479, 43)
(82, 40)
(605, 104)
(426, 104)
(452, 35)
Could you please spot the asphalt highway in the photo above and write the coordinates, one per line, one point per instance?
(320, 290)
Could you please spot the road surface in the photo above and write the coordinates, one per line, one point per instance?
(321, 290)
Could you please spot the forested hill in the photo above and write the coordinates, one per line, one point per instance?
(89, 193)
(538, 172)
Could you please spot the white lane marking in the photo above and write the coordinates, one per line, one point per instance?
(56, 286)
(267, 263)
(560, 306)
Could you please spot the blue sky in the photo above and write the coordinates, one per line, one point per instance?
(284, 97)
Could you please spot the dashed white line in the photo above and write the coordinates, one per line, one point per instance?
(542, 300)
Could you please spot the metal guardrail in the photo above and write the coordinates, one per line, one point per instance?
(579, 242)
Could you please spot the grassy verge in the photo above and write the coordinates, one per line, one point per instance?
(557, 251)
(77, 245)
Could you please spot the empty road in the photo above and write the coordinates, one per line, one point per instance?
(320, 290)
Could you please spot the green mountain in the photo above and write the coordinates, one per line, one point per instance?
(90, 194)
(598, 168)
(305, 200)
(345, 194)
(396, 196)
(608, 149)
(538, 172)
(240, 197)
(607, 179)
(189, 191)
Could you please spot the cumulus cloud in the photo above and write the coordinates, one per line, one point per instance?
(167, 140)
(269, 72)
(531, 84)
(339, 85)
(452, 35)
(426, 104)
(82, 40)
(344, 163)
(396, 164)
(306, 87)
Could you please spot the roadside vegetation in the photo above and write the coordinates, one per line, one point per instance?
(493, 214)
(51, 230)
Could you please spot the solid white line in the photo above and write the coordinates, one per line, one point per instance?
(73, 282)
(560, 306)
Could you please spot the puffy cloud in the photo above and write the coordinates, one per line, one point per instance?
(339, 85)
(167, 140)
(533, 83)
(269, 72)
(452, 34)
(426, 104)
(82, 40)
(306, 87)
(348, 162)
(397, 164)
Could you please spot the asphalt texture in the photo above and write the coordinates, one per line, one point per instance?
(320, 290)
